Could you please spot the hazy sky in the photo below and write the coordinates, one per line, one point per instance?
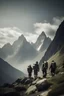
(29, 17)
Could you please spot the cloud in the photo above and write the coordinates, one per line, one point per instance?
(9, 35)
(31, 37)
(48, 28)
(57, 20)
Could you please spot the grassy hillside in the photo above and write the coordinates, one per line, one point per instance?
(58, 58)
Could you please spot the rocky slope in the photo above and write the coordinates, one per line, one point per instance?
(50, 86)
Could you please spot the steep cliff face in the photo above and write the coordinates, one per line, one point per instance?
(56, 44)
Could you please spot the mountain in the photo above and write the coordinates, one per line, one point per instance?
(42, 42)
(9, 49)
(41, 46)
(23, 51)
(45, 44)
(8, 73)
(18, 42)
(39, 41)
(56, 44)
(26, 51)
(6, 50)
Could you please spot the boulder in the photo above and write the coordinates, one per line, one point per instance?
(15, 84)
(32, 89)
(18, 80)
(23, 80)
(35, 81)
(20, 88)
(42, 85)
(45, 93)
(29, 81)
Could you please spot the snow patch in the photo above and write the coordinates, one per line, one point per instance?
(40, 45)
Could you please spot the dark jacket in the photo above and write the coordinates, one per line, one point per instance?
(29, 69)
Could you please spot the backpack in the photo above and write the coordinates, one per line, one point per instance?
(37, 67)
(46, 65)
(53, 65)
(29, 69)
(43, 67)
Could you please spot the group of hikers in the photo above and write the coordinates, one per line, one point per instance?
(44, 69)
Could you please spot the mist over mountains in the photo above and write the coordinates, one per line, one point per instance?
(22, 51)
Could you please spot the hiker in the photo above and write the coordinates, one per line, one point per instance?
(53, 67)
(44, 69)
(46, 65)
(29, 69)
(37, 65)
(36, 69)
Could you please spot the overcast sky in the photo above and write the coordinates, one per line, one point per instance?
(29, 17)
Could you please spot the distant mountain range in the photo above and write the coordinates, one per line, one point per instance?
(57, 45)
(8, 74)
(21, 50)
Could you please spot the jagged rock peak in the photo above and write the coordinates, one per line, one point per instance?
(41, 36)
(43, 33)
(7, 45)
(22, 38)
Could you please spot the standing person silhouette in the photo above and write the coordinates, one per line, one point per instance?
(29, 69)
(53, 67)
(44, 68)
(36, 69)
